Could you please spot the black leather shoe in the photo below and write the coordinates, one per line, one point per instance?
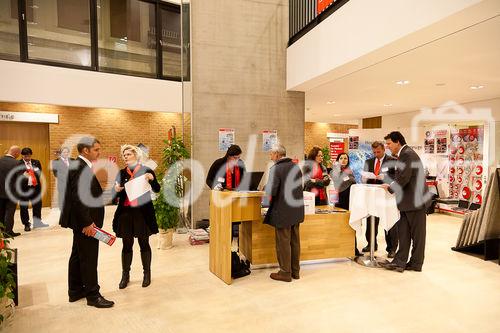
(76, 297)
(295, 276)
(15, 234)
(100, 302)
(413, 268)
(367, 248)
(394, 267)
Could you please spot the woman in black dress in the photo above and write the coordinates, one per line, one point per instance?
(343, 179)
(136, 218)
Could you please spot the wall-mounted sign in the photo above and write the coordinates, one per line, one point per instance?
(269, 138)
(29, 117)
(336, 148)
(226, 138)
(323, 4)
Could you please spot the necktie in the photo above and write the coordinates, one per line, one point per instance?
(377, 167)
(32, 174)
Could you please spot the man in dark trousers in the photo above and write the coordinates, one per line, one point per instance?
(380, 170)
(8, 196)
(83, 210)
(60, 167)
(286, 212)
(31, 190)
(412, 196)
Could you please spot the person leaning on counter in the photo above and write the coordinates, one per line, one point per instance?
(227, 171)
(286, 212)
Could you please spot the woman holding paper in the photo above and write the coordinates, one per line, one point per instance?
(135, 215)
(343, 179)
(316, 177)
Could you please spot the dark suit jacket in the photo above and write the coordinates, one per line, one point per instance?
(37, 168)
(144, 201)
(409, 182)
(218, 170)
(387, 169)
(83, 202)
(7, 164)
(282, 212)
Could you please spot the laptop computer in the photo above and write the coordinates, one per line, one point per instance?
(250, 181)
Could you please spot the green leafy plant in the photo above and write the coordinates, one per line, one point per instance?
(7, 279)
(167, 204)
(326, 156)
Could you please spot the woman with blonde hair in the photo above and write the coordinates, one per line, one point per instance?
(134, 218)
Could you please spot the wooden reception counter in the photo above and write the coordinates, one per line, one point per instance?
(322, 236)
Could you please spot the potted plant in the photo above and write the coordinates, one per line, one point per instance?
(327, 163)
(7, 282)
(168, 202)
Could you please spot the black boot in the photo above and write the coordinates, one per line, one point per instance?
(146, 266)
(126, 262)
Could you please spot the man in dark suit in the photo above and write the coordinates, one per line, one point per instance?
(285, 212)
(380, 170)
(8, 197)
(83, 210)
(31, 190)
(60, 167)
(412, 197)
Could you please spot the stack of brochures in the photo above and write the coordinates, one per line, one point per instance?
(198, 236)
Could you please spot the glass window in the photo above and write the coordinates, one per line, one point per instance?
(9, 30)
(127, 37)
(186, 41)
(60, 31)
(171, 42)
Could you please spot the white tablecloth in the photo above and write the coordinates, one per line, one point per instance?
(372, 200)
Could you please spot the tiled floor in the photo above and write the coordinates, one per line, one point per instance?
(454, 293)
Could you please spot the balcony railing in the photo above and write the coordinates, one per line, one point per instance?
(306, 14)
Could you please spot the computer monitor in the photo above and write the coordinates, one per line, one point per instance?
(250, 181)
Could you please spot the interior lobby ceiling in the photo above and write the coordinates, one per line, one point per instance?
(463, 67)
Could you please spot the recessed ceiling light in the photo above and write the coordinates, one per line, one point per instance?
(403, 82)
(441, 84)
(336, 115)
(476, 87)
(330, 102)
(387, 104)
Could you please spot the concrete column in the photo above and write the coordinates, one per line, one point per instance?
(238, 81)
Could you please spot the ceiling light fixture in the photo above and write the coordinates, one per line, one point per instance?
(336, 115)
(330, 102)
(477, 87)
(403, 82)
(441, 84)
(387, 104)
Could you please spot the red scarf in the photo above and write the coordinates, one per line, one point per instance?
(229, 177)
(127, 202)
(317, 174)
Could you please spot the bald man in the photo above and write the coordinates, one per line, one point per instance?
(8, 200)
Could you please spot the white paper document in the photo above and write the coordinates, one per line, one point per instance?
(368, 175)
(137, 187)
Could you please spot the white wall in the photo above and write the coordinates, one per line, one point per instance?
(362, 26)
(30, 83)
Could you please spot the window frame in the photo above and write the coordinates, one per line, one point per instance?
(94, 40)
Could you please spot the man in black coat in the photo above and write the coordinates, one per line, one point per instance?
(31, 190)
(60, 167)
(286, 212)
(381, 166)
(83, 210)
(8, 196)
(412, 197)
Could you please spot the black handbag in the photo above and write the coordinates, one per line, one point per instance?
(239, 268)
